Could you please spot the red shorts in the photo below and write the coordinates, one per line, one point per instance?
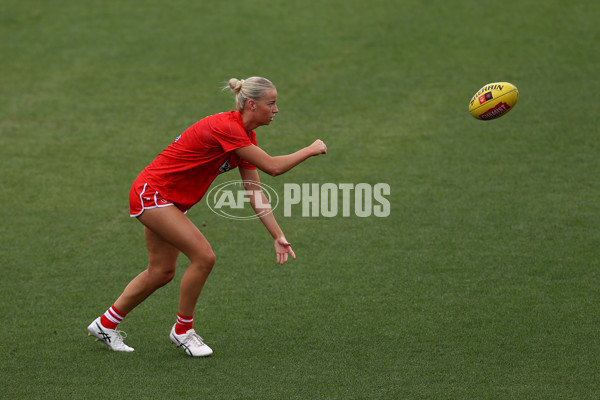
(143, 197)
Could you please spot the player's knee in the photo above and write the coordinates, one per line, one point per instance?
(209, 260)
(162, 276)
(212, 258)
(168, 276)
(205, 260)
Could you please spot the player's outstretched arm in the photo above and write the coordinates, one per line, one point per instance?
(279, 164)
(262, 208)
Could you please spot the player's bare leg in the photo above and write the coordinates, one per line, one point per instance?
(171, 226)
(162, 261)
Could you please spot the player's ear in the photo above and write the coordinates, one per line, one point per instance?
(251, 105)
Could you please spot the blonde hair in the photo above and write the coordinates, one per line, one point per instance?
(252, 88)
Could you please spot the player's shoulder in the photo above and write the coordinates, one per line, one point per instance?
(230, 121)
(226, 116)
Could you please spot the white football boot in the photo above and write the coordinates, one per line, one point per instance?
(191, 343)
(110, 337)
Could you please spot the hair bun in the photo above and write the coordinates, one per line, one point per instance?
(236, 85)
(252, 88)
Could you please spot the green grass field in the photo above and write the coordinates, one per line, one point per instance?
(483, 283)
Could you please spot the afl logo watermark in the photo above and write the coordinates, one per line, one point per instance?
(229, 199)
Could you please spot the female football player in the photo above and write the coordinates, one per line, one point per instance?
(176, 180)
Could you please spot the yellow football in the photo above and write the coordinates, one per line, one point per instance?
(493, 100)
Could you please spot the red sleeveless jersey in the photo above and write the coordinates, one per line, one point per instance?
(183, 172)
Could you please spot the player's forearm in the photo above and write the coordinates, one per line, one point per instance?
(282, 164)
(271, 224)
(279, 164)
(262, 208)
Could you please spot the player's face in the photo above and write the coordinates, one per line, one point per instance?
(266, 108)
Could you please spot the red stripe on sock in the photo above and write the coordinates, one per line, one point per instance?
(184, 324)
(116, 312)
(111, 318)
